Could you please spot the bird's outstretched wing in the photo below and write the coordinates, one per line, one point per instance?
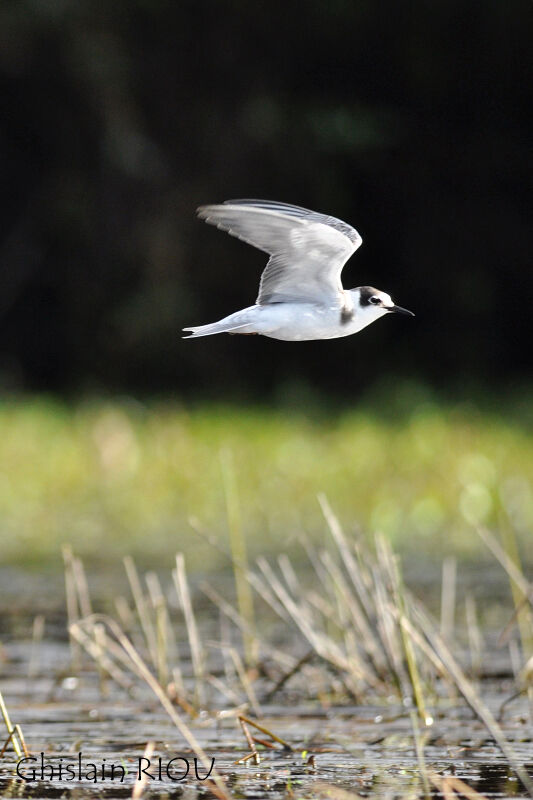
(307, 250)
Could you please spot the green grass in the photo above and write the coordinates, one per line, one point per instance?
(121, 477)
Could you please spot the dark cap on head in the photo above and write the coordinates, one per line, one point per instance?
(365, 293)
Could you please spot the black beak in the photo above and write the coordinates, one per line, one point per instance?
(400, 310)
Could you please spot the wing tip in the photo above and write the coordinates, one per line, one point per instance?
(203, 211)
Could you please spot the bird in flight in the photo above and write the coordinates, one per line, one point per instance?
(300, 295)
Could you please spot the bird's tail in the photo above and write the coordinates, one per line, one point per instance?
(224, 326)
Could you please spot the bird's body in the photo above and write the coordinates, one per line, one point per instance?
(301, 295)
(292, 322)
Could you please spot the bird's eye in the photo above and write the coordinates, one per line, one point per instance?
(375, 300)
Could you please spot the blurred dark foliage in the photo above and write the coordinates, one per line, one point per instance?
(410, 120)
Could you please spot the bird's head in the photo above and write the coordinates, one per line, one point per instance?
(374, 304)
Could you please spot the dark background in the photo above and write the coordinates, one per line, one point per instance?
(410, 120)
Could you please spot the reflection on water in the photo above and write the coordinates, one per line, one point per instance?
(368, 750)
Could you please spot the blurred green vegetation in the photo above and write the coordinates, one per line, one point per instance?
(123, 477)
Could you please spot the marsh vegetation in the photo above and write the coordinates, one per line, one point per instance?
(305, 664)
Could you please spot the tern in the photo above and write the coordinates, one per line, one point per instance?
(301, 296)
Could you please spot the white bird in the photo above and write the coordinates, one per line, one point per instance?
(300, 295)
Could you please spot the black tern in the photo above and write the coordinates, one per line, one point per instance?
(301, 297)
